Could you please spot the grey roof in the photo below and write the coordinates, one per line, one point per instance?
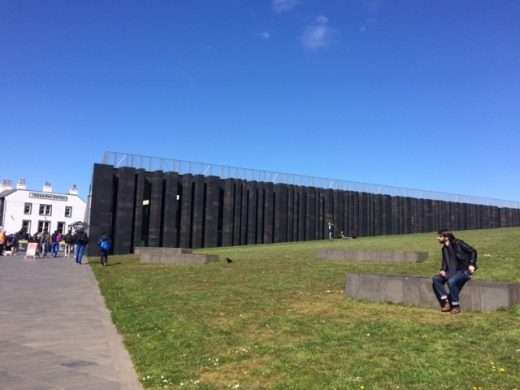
(5, 193)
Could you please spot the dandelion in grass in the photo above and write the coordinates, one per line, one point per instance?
(502, 370)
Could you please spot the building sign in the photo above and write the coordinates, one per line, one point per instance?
(39, 195)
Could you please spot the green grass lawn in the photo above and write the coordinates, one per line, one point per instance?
(278, 318)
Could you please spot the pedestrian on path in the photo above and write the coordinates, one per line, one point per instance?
(105, 245)
(56, 239)
(45, 240)
(81, 241)
(69, 243)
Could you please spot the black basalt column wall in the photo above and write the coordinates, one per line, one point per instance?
(198, 212)
(212, 212)
(156, 209)
(170, 230)
(280, 213)
(102, 207)
(268, 213)
(228, 212)
(252, 198)
(186, 211)
(140, 208)
(124, 215)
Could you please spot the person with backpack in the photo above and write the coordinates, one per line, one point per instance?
(105, 245)
(55, 246)
(45, 240)
(69, 243)
(81, 241)
(459, 262)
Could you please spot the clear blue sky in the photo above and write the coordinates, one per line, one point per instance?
(417, 94)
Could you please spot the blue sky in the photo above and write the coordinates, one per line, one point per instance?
(416, 94)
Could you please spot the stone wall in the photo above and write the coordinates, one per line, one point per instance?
(373, 256)
(416, 290)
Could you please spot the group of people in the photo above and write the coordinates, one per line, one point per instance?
(75, 243)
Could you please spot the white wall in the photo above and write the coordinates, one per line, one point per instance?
(14, 210)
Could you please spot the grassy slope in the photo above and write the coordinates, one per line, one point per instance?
(278, 318)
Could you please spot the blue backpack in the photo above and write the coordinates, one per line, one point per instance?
(105, 245)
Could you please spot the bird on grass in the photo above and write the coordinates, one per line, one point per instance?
(228, 260)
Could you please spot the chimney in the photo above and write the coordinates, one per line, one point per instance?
(47, 187)
(74, 190)
(6, 185)
(21, 185)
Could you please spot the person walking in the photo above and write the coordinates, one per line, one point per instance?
(459, 262)
(69, 243)
(81, 241)
(45, 240)
(56, 239)
(331, 230)
(105, 245)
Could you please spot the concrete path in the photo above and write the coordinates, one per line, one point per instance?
(55, 330)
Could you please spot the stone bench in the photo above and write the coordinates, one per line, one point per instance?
(359, 255)
(417, 290)
(159, 255)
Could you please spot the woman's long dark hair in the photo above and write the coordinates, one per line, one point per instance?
(446, 233)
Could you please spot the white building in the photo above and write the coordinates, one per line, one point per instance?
(33, 211)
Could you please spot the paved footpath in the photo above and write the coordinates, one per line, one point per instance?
(55, 330)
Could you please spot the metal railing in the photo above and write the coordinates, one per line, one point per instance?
(149, 163)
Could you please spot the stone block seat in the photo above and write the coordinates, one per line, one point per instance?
(417, 290)
(161, 255)
(372, 256)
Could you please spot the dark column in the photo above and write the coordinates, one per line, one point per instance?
(395, 214)
(260, 213)
(170, 232)
(428, 217)
(198, 212)
(156, 206)
(251, 212)
(291, 213)
(347, 212)
(339, 211)
(243, 219)
(280, 213)
(138, 205)
(268, 213)
(212, 208)
(363, 215)
(228, 212)
(124, 211)
(302, 217)
(387, 216)
(186, 210)
(354, 203)
(237, 220)
(310, 213)
(102, 196)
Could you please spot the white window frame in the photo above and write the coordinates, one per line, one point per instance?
(46, 210)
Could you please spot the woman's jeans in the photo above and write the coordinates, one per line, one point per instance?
(78, 253)
(55, 248)
(455, 283)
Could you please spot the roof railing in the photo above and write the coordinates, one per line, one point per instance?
(149, 163)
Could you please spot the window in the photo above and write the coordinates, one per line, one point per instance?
(61, 227)
(27, 208)
(44, 225)
(68, 211)
(26, 226)
(45, 209)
